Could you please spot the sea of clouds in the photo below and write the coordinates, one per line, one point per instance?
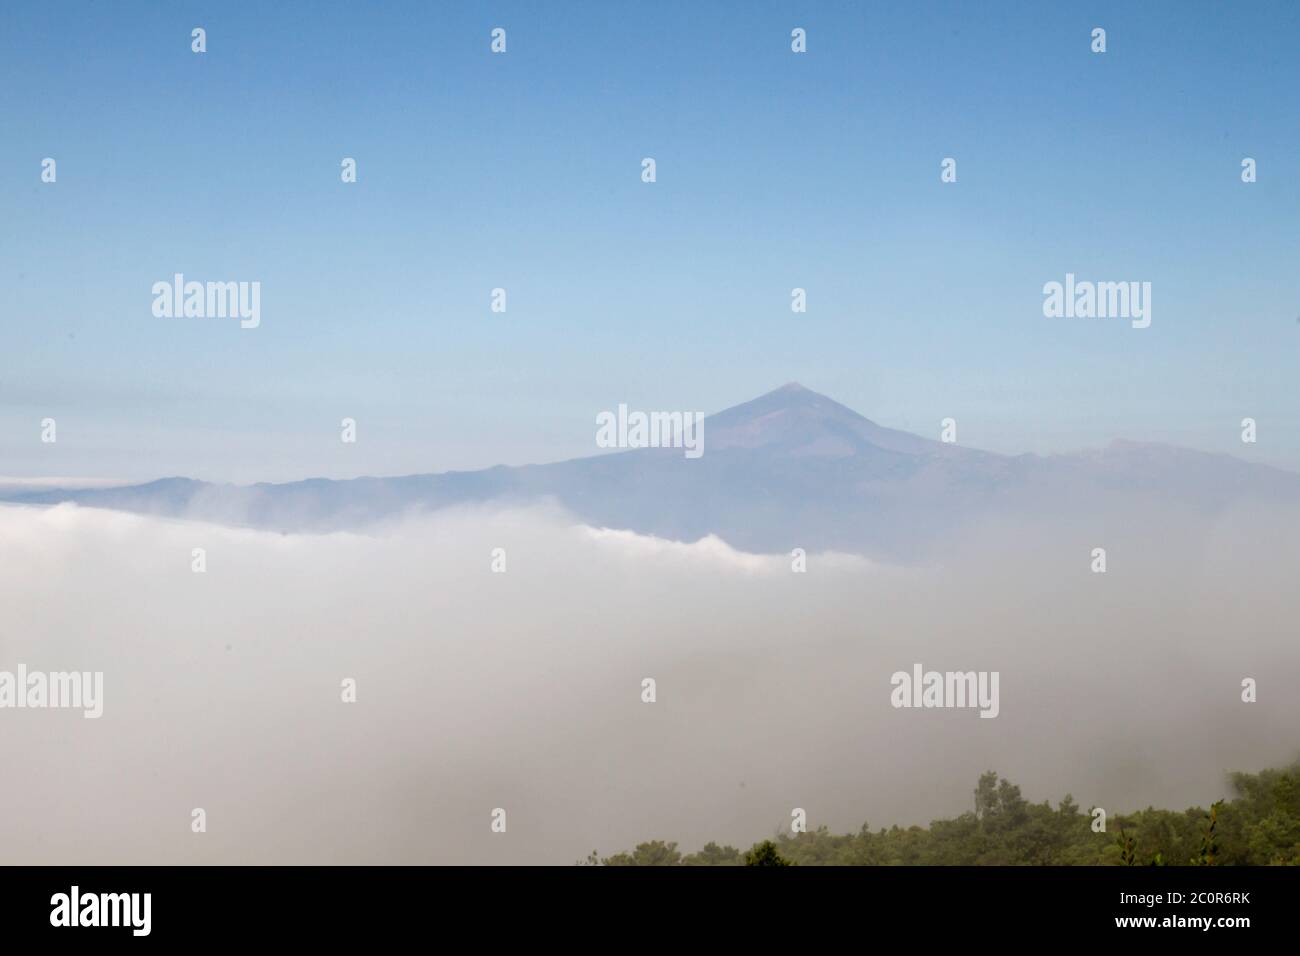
(522, 690)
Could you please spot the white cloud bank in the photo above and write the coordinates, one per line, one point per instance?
(522, 690)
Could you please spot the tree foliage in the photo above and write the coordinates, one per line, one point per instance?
(765, 854)
(1259, 826)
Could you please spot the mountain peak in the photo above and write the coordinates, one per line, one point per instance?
(792, 391)
(798, 421)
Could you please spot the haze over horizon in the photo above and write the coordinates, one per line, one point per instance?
(9, 482)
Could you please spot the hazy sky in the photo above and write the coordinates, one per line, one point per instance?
(522, 171)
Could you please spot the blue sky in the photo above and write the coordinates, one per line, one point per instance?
(522, 171)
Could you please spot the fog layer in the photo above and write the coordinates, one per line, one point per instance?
(522, 690)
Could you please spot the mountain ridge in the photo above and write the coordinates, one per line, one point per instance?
(789, 468)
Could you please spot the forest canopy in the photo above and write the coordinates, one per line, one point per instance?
(1258, 826)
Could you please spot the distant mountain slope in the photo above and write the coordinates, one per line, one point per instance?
(791, 468)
